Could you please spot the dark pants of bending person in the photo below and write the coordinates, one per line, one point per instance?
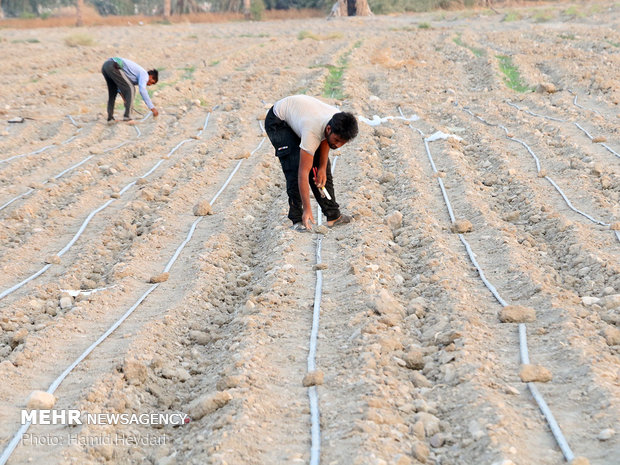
(286, 143)
(117, 81)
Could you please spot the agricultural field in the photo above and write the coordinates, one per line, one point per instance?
(150, 268)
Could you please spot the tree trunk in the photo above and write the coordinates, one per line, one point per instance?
(351, 8)
(79, 11)
(166, 10)
(247, 4)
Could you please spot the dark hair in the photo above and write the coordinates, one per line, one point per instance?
(344, 125)
(155, 74)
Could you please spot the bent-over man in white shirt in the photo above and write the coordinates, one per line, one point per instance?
(302, 129)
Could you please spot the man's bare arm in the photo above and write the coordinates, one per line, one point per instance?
(305, 165)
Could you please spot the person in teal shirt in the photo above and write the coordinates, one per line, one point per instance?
(121, 75)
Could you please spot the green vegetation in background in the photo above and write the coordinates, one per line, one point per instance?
(214, 62)
(568, 36)
(257, 8)
(424, 26)
(189, 72)
(309, 35)
(381, 7)
(598, 8)
(26, 41)
(159, 86)
(512, 77)
(79, 39)
(542, 16)
(615, 44)
(512, 16)
(476, 51)
(574, 12)
(333, 82)
(46, 8)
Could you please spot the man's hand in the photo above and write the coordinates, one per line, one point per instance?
(321, 178)
(307, 219)
(155, 112)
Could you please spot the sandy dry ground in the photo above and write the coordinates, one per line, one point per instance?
(418, 367)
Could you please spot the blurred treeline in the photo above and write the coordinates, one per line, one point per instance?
(46, 8)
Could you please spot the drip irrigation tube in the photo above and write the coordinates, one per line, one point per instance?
(534, 114)
(12, 289)
(538, 170)
(52, 388)
(315, 415)
(598, 113)
(609, 149)
(41, 150)
(582, 107)
(555, 429)
(62, 173)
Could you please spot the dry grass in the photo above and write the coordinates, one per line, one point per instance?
(383, 57)
(79, 39)
(309, 35)
(91, 18)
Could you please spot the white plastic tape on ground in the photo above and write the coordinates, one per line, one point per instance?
(52, 388)
(47, 147)
(538, 170)
(12, 289)
(377, 120)
(555, 429)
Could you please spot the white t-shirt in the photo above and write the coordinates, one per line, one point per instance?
(307, 116)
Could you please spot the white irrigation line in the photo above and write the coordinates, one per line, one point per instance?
(598, 113)
(77, 165)
(555, 429)
(600, 143)
(52, 388)
(582, 107)
(12, 289)
(565, 121)
(14, 157)
(538, 170)
(62, 173)
(315, 419)
(534, 114)
(542, 405)
(315, 415)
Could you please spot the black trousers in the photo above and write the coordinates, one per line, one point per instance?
(286, 143)
(117, 81)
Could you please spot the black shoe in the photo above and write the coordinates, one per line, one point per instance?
(111, 118)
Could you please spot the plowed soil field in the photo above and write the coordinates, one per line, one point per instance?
(417, 360)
